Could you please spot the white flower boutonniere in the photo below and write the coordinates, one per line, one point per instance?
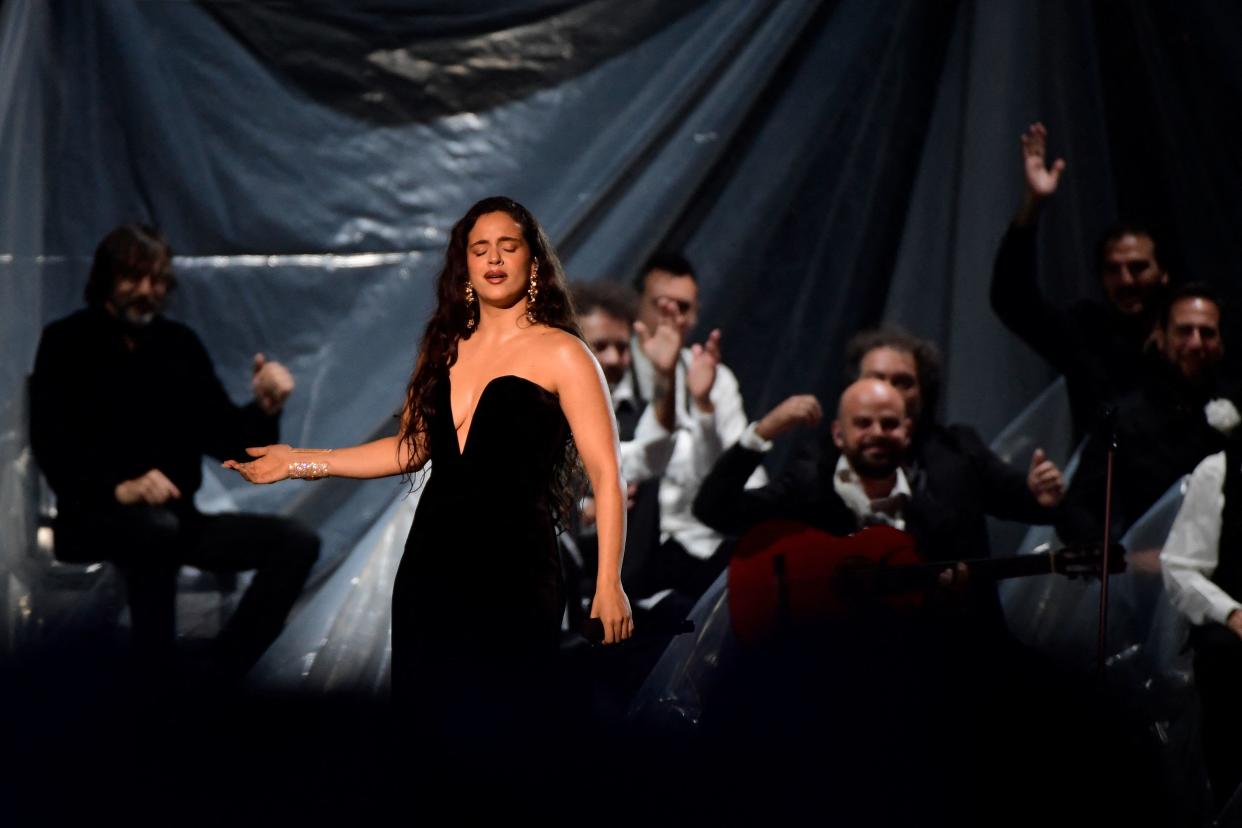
(1222, 415)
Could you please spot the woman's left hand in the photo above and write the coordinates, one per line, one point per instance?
(612, 608)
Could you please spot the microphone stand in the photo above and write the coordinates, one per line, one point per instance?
(1109, 422)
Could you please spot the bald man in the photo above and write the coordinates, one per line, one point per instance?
(858, 482)
(864, 485)
(946, 692)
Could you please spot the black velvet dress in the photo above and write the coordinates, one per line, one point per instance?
(478, 598)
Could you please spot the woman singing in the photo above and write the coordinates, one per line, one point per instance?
(504, 399)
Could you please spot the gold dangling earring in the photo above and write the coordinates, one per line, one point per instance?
(469, 307)
(532, 291)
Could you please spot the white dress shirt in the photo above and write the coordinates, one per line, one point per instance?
(647, 454)
(889, 509)
(1192, 552)
(698, 442)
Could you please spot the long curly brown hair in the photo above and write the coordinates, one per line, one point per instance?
(448, 326)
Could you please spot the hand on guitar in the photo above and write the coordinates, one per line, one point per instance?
(785, 574)
(955, 577)
(952, 584)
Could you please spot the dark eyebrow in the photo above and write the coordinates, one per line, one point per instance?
(501, 239)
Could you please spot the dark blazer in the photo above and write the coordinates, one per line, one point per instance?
(102, 413)
(956, 480)
(1162, 434)
(956, 477)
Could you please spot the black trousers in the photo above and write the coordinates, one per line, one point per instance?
(1218, 676)
(149, 544)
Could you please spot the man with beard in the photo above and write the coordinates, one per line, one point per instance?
(1162, 431)
(124, 404)
(1097, 346)
(881, 687)
(859, 483)
(950, 465)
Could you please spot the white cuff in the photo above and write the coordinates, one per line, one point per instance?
(1219, 612)
(750, 439)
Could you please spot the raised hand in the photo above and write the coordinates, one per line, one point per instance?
(271, 464)
(1041, 180)
(663, 345)
(272, 384)
(798, 410)
(1044, 480)
(153, 488)
(701, 376)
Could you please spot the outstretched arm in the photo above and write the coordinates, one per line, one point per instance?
(379, 458)
(584, 399)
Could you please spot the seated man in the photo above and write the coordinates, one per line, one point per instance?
(1202, 571)
(951, 465)
(124, 404)
(916, 693)
(1098, 347)
(862, 482)
(1161, 427)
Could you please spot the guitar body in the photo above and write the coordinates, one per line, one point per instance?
(784, 573)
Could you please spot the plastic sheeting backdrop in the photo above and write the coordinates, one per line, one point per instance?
(826, 165)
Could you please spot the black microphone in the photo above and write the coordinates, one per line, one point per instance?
(592, 629)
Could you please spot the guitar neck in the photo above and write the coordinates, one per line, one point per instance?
(995, 569)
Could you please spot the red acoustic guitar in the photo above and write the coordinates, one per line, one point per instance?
(784, 573)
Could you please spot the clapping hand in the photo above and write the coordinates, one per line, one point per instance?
(704, 359)
(272, 384)
(663, 345)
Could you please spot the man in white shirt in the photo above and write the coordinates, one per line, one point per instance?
(710, 417)
(1203, 576)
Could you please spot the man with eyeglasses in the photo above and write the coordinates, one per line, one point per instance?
(710, 418)
(124, 404)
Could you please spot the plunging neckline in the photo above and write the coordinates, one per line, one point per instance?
(462, 445)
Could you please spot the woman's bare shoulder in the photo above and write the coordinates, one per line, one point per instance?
(566, 351)
(554, 341)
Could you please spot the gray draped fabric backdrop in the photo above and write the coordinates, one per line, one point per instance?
(827, 166)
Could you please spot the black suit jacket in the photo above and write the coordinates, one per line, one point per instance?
(943, 525)
(1099, 350)
(1162, 434)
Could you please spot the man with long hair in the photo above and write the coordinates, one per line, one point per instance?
(124, 404)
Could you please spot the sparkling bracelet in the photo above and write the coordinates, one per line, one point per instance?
(307, 471)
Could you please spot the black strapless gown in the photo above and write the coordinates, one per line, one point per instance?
(478, 597)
